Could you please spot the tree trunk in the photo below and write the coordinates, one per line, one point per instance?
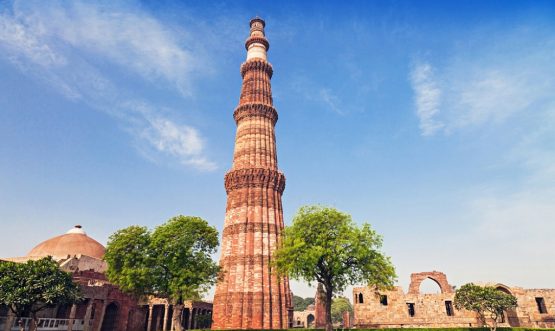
(33, 322)
(327, 304)
(493, 326)
(176, 317)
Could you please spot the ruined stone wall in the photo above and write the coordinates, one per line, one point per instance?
(303, 319)
(527, 313)
(430, 310)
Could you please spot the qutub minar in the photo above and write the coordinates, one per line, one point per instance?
(250, 295)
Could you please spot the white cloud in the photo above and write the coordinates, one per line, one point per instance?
(181, 141)
(427, 98)
(505, 77)
(127, 37)
(55, 42)
(19, 40)
(498, 96)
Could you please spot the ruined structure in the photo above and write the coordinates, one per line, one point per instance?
(105, 307)
(394, 308)
(304, 319)
(250, 296)
(320, 308)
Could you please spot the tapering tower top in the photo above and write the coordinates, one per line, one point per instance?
(257, 45)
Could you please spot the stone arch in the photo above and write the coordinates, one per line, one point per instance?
(429, 286)
(510, 315)
(110, 317)
(439, 277)
(360, 298)
(503, 288)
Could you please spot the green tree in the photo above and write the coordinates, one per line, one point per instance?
(300, 304)
(324, 245)
(30, 287)
(174, 261)
(308, 301)
(338, 307)
(488, 302)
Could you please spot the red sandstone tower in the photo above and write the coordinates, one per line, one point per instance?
(250, 296)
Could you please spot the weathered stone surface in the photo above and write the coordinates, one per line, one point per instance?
(320, 308)
(250, 295)
(430, 310)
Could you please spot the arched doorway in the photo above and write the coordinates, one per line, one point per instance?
(110, 318)
(309, 320)
(510, 315)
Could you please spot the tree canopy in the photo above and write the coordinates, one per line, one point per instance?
(29, 287)
(300, 304)
(324, 245)
(487, 301)
(338, 307)
(174, 261)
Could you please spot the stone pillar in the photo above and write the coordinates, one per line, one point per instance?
(149, 324)
(320, 308)
(102, 313)
(191, 320)
(166, 314)
(172, 326)
(87, 319)
(71, 317)
(347, 320)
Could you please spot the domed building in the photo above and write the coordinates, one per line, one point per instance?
(105, 307)
(73, 242)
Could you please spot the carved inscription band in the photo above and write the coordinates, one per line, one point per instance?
(233, 229)
(255, 177)
(255, 109)
(257, 64)
(245, 260)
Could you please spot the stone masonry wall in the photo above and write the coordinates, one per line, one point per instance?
(430, 310)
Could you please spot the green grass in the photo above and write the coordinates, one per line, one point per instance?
(421, 329)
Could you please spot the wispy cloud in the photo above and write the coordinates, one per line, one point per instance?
(322, 96)
(330, 100)
(497, 80)
(65, 45)
(502, 90)
(177, 140)
(427, 98)
(128, 37)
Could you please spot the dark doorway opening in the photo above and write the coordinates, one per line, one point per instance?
(410, 307)
(110, 318)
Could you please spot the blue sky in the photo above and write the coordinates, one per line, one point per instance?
(433, 121)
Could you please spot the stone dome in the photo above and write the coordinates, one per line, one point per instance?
(73, 242)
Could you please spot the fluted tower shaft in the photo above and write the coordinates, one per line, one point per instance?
(250, 295)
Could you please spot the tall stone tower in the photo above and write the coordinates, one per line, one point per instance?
(250, 296)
